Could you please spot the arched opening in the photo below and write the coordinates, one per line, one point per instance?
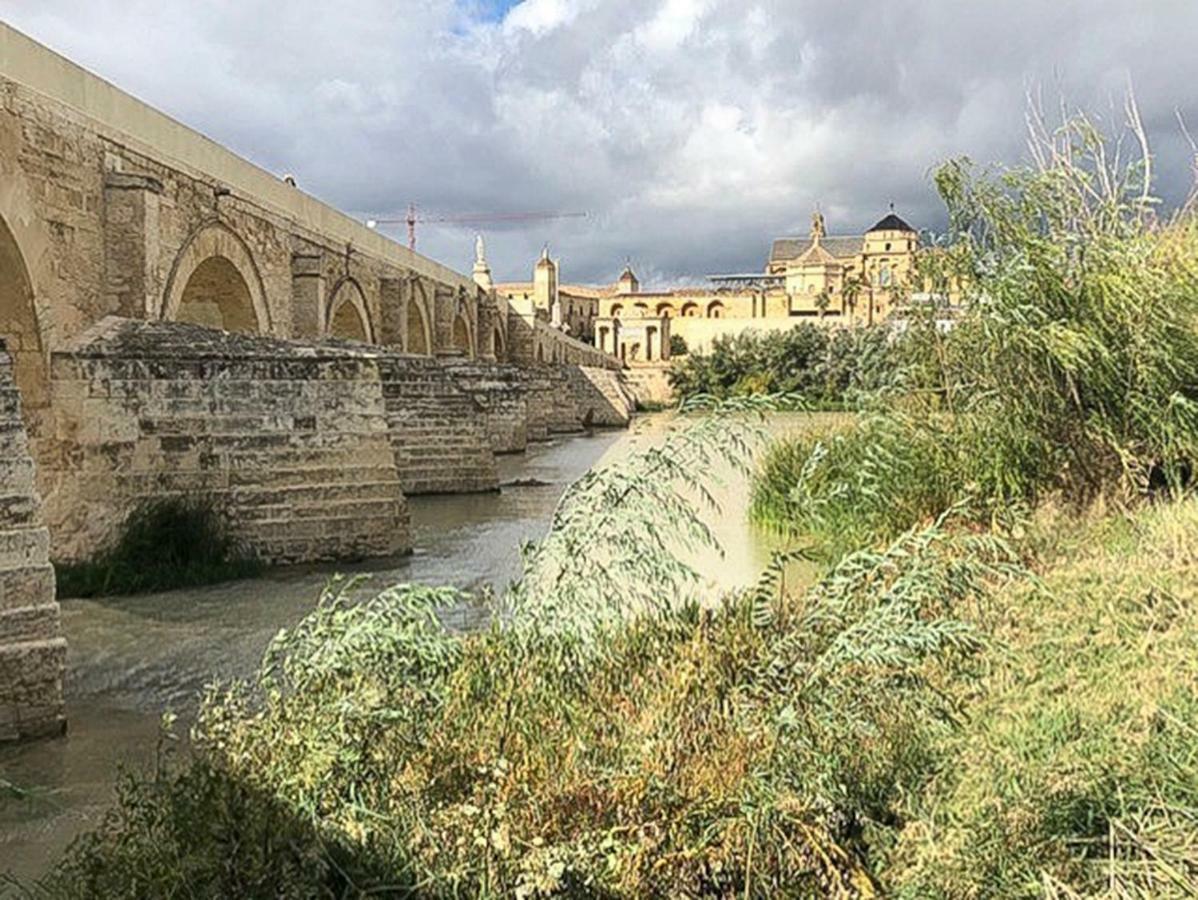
(650, 341)
(461, 335)
(19, 327)
(348, 318)
(634, 352)
(665, 309)
(616, 310)
(217, 296)
(690, 310)
(347, 323)
(603, 339)
(540, 353)
(500, 345)
(416, 338)
(215, 283)
(642, 309)
(715, 310)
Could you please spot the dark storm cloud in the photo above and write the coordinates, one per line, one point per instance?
(692, 131)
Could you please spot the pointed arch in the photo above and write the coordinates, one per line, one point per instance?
(214, 281)
(347, 316)
(461, 335)
(418, 337)
(500, 343)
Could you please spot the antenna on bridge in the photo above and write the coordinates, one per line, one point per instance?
(415, 217)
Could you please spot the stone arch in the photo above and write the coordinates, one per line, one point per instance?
(500, 343)
(665, 309)
(215, 282)
(26, 274)
(642, 309)
(347, 316)
(19, 324)
(650, 342)
(690, 310)
(715, 310)
(418, 335)
(461, 335)
(616, 309)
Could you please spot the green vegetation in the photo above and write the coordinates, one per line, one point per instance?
(678, 345)
(172, 543)
(827, 368)
(1073, 373)
(988, 693)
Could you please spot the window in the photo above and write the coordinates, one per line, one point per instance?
(888, 246)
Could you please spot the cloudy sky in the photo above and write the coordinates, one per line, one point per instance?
(691, 131)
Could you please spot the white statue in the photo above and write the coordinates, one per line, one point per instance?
(480, 249)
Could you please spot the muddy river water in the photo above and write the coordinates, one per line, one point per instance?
(132, 658)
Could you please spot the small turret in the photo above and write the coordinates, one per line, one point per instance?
(628, 283)
(544, 282)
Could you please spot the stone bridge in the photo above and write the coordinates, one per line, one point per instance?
(180, 321)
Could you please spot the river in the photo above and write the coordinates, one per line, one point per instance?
(131, 658)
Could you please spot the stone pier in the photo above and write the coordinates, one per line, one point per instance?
(32, 649)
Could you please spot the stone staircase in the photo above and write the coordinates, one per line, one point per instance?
(437, 430)
(32, 649)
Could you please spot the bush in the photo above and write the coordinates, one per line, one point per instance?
(1076, 771)
(828, 368)
(1072, 372)
(677, 345)
(607, 736)
(166, 544)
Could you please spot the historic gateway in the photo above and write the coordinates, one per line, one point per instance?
(177, 321)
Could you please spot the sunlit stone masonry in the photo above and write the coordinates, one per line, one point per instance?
(32, 649)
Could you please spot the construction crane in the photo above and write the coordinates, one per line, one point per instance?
(414, 217)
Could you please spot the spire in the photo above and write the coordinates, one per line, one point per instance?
(818, 230)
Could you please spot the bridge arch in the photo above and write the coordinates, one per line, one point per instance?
(461, 335)
(347, 316)
(26, 321)
(215, 282)
(500, 344)
(418, 335)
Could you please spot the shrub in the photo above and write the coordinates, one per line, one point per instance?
(825, 367)
(678, 345)
(165, 544)
(607, 736)
(1072, 372)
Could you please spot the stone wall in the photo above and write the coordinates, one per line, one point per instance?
(600, 396)
(650, 385)
(32, 649)
(289, 440)
(438, 431)
(501, 398)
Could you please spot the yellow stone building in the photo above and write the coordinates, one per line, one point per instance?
(832, 280)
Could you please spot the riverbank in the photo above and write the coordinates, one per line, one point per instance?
(134, 657)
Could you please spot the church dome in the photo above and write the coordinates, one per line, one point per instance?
(891, 223)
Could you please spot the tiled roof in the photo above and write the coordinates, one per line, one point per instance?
(892, 223)
(840, 246)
